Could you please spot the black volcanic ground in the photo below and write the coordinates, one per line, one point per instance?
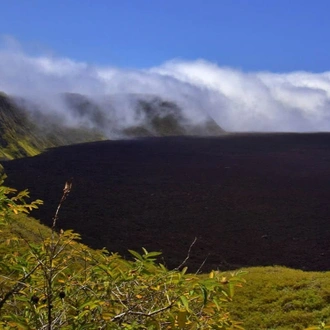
(250, 199)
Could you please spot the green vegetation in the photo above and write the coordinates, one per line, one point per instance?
(282, 298)
(20, 136)
(51, 281)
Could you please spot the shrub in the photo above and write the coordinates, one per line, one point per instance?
(55, 282)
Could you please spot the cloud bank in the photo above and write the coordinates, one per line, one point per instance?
(236, 100)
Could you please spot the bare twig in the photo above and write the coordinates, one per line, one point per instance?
(188, 255)
(202, 264)
(129, 312)
(66, 191)
(52, 254)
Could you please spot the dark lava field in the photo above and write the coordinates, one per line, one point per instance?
(250, 199)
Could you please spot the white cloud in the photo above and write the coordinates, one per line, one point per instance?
(237, 100)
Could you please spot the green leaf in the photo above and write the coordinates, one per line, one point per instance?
(136, 255)
(153, 254)
(184, 270)
(204, 292)
(185, 303)
(231, 289)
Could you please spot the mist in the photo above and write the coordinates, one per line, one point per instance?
(236, 100)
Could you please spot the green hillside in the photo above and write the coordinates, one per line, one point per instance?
(20, 136)
(26, 129)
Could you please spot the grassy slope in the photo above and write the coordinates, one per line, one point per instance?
(20, 137)
(272, 298)
(23, 226)
(282, 298)
(14, 141)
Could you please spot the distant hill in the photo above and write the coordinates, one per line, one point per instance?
(136, 115)
(28, 127)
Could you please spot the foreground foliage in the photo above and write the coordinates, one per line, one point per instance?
(54, 282)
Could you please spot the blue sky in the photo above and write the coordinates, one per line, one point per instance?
(251, 35)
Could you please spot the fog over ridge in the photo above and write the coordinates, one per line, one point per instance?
(236, 100)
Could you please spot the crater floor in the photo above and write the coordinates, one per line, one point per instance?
(250, 199)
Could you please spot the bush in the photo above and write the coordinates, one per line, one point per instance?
(55, 282)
